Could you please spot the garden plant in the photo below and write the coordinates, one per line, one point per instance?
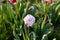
(29, 19)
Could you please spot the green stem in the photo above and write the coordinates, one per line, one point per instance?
(45, 16)
(26, 34)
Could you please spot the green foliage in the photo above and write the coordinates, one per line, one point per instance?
(46, 26)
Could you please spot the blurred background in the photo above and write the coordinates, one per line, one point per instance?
(47, 20)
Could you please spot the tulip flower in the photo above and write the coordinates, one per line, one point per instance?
(48, 1)
(13, 1)
(29, 20)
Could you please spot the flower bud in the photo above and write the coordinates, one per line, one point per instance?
(29, 20)
(13, 1)
(48, 1)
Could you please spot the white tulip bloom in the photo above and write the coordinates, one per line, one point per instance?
(29, 20)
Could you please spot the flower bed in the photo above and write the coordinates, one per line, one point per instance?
(30, 20)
